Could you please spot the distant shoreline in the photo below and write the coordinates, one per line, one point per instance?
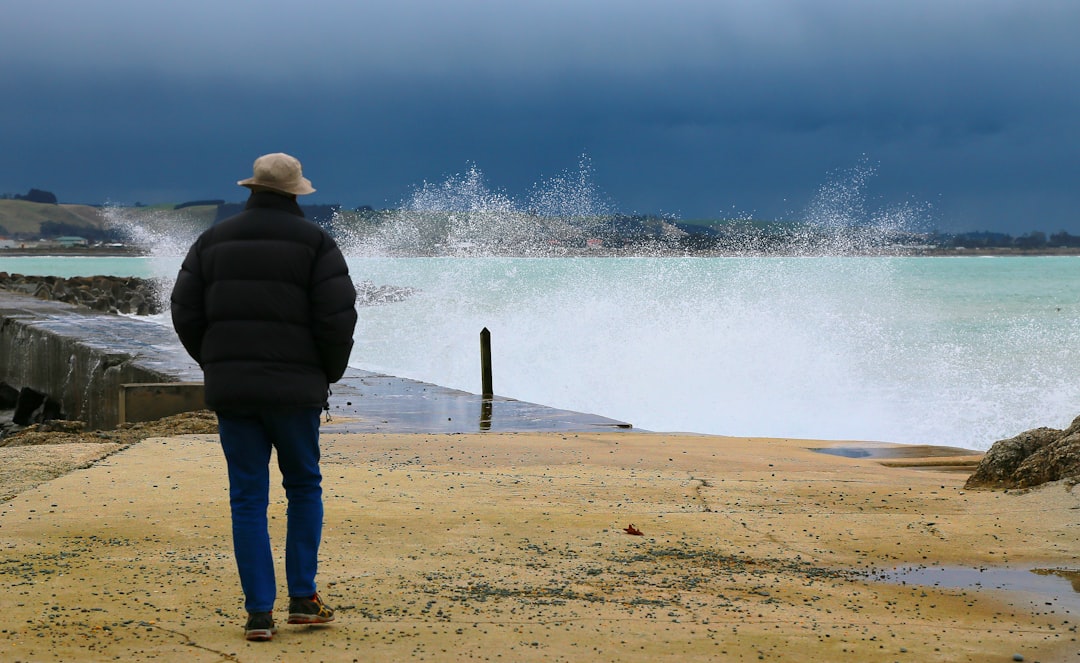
(996, 251)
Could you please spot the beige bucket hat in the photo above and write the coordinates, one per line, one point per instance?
(280, 172)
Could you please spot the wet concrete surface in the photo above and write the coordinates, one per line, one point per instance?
(154, 346)
(372, 402)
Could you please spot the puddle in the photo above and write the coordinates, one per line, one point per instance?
(1045, 589)
(897, 451)
(913, 456)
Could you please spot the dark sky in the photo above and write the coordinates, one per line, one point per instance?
(967, 110)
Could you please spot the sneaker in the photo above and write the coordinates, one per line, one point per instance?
(260, 626)
(310, 610)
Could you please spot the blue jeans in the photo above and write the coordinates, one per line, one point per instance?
(247, 440)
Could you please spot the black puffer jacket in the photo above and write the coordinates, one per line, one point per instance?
(265, 304)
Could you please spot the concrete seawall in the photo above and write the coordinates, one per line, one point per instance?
(80, 357)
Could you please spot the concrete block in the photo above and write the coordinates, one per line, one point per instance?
(149, 401)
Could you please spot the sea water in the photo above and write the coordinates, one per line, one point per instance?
(951, 351)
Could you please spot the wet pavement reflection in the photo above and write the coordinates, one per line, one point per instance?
(373, 402)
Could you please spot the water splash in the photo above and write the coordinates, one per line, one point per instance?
(571, 202)
(837, 220)
(462, 216)
(567, 214)
(160, 233)
(163, 235)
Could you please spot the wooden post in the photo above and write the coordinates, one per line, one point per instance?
(485, 363)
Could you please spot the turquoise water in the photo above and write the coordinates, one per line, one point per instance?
(68, 266)
(953, 351)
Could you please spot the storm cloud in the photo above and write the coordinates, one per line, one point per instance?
(969, 110)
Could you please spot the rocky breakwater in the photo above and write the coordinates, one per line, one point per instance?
(1030, 459)
(112, 294)
(139, 296)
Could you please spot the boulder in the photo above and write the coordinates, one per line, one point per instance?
(1030, 459)
(33, 407)
(25, 406)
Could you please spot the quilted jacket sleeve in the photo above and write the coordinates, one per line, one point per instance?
(333, 309)
(188, 311)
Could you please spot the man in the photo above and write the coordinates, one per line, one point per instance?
(264, 303)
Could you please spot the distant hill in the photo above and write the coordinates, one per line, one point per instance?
(27, 220)
(24, 218)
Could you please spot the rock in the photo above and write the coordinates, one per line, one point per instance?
(61, 426)
(136, 303)
(34, 407)
(9, 396)
(28, 401)
(103, 304)
(1030, 459)
(101, 293)
(369, 294)
(1058, 460)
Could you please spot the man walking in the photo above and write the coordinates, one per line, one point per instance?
(265, 304)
